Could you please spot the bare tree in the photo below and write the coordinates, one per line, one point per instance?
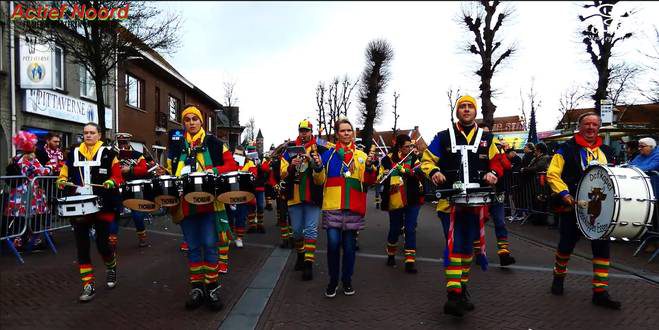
(652, 94)
(535, 103)
(332, 101)
(250, 129)
(375, 77)
(453, 96)
(484, 27)
(99, 45)
(571, 98)
(622, 82)
(395, 112)
(230, 98)
(603, 37)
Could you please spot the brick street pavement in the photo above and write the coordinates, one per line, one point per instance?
(516, 298)
(150, 294)
(152, 286)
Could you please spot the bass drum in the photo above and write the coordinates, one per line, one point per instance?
(614, 203)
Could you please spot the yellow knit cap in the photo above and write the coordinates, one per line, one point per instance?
(466, 98)
(192, 110)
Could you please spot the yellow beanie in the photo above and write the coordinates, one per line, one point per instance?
(466, 98)
(192, 110)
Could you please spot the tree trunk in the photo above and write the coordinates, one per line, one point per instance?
(488, 108)
(100, 105)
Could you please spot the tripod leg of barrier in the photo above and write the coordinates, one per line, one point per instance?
(15, 252)
(46, 236)
(656, 252)
(640, 247)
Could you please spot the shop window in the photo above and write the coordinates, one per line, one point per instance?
(58, 66)
(174, 107)
(134, 87)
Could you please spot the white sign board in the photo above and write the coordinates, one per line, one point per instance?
(56, 105)
(606, 111)
(35, 64)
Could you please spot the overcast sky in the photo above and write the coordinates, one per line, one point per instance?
(277, 52)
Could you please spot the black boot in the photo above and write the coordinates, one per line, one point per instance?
(196, 297)
(557, 285)
(284, 244)
(391, 260)
(453, 305)
(506, 259)
(603, 299)
(464, 299)
(409, 268)
(307, 272)
(213, 301)
(299, 263)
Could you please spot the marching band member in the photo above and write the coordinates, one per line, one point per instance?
(237, 213)
(283, 221)
(460, 223)
(199, 152)
(344, 173)
(256, 206)
(268, 186)
(403, 198)
(565, 171)
(133, 167)
(304, 199)
(93, 163)
(497, 213)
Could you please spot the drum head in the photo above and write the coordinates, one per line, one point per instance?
(235, 197)
(141, 205)
(595, 205)
(199, 198)
(166, 200)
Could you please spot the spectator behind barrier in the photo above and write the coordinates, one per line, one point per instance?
(540, 162)
(515, 160)
(648, 155)
(529, 150)
(631, 150)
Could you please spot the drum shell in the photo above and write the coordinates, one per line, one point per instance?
(167, 189)
(236, 182)
(78, 206)
(138, 195)
(200, 184)
(626, 206)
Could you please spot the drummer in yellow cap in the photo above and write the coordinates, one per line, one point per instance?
(444, 166)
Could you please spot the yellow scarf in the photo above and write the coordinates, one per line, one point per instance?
(197, 137)
(89, 153)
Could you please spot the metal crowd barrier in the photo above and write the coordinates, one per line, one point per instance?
(14, 197)
(19, 216)
(653, 233)
(527, 194)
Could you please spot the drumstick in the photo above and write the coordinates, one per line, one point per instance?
(71, 184)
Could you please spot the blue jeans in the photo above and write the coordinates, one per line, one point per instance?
(201, 235)
(260, 201)
(138, 220)
(237, 218)
(406, 216)
(337, 238)
(497, 213)
(304, 220)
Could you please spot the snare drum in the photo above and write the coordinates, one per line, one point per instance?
(77, 206)
(199, 188)
(473, 199)
(167, 190)
(235, 187)
(138, 195)
(614, 203)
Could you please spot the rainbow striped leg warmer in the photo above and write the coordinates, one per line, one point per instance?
(309, 249)
(453, 273)
(86, 274)
(601, 274)
(560, 265)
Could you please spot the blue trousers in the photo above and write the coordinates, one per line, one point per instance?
(337, 239)
(407, 217)
(304, 220)
(466, 230)
(497, 213)
(201, 235)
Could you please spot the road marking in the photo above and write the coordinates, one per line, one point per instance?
(654, 278)
(247, 311)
